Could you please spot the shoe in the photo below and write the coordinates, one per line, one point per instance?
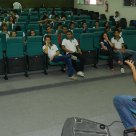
(80, 73)
(73, 57)
(122, 70)
(73, 77)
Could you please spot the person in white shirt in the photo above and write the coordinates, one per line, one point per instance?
(120, 51)
(117, 17)
(17, 5)
(54, 56)
(71, 46)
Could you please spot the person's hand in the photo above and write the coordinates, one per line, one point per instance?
(130, 63)
(106, 38)
(123, 50)
(51, 59)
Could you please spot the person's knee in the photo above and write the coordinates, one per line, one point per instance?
(118, 99)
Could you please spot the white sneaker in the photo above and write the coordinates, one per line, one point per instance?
(73, 57)
(73, 77)
(80, 73)
(122, 70)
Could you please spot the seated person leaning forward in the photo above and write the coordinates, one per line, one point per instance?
(55, 56)
(70, 46)
(126, 105)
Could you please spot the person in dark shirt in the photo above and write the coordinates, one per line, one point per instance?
(107, 48)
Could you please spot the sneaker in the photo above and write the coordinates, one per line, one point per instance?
(122, 70)
(73, 57)
(80, 73)
(73, 77)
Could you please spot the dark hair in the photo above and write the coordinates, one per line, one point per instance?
(31, 31)
(17, 28)
(69, 31)
(116, 30)
(47, 36)
(101, 37)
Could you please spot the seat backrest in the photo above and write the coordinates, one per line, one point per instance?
(15, 47)
(97, 39)
(3, 40)
(130, 40)
(33, 26)
(1, 51)
(86, 41)
(54, 39)
(34, 45)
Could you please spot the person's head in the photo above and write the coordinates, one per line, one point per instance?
(64, 29)
(106, 24)
(47, 39)
(97, 24)
(17, 28)
(84, 25)
(69, 35)
(12, 19)
(116, 13)
(116, 33)
(32, 32)
(104, 36)
(4, 28)
(13, 34)
(49, 29)
(118, 26)
(72, 25)
(59, 26)
(56, 18)
(63, 17)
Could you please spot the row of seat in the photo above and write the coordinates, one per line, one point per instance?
(20, 57)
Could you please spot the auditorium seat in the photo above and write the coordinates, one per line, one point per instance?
(16, 59)
(36, 57)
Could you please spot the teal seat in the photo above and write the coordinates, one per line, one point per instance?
(34, 18)
(20, 33)
(23, 19)
(33, 26)
(36, 57)
(3, 40)
(1, 58)
(129, 37)
(86, 42)
(97, 38)
(130, 41)
(77, 32)
(87, 47)
(22, 26)
(100, 29)
(16, 58)
(91, 30)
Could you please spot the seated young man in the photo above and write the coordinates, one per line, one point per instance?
(126, 105)
(70, 46)
(120, 50)
(55, 56)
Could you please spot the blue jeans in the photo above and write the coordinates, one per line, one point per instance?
(126, 108)
(67, 60)
(127, 54)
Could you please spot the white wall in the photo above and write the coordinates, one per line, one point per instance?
(114, 5)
